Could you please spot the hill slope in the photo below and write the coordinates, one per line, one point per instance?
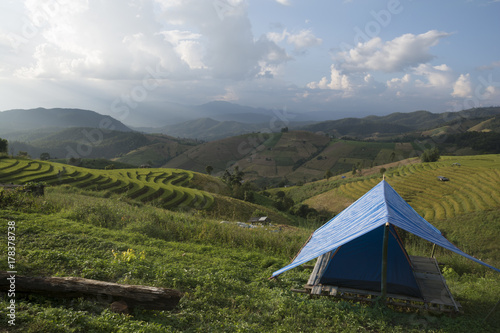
(25, 120)
(297, 156)
(404, 123)
(128, 147)
(166, 187)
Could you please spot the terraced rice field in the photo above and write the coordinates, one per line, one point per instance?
(474, 185)
(166, 187)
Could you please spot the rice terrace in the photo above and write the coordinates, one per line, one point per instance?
(162, 228)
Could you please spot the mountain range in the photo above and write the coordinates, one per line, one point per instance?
(268, 152)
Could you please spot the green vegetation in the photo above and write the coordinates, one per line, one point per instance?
(85, 226)
(3, 145)
(167, 188)
(93, 163)
(222, 270)
(430, 155)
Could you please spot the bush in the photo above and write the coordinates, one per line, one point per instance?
(430, 155)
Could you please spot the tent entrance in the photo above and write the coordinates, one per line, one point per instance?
(357, 265)
(435, 295)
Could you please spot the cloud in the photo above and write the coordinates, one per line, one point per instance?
(493, 65)
(190, 39)
(398, 82)
(462, 87)
(402, 52)
(440, 77)
(302, 40)
(337, 81)
(283, 2)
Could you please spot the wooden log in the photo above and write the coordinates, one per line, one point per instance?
(149, 298)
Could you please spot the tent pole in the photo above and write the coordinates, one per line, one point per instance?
(433, 250)
(383, 280)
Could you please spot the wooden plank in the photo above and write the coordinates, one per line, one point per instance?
(319, 268)
(316, 290)
(431, 283)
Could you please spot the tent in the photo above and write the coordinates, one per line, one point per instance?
(350, 245)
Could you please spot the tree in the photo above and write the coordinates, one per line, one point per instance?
(45, 156)
(382, 170)
(23, 154)
(430, 155)
(328, 174)
(209, 169)
(284, 130)
(4, 145)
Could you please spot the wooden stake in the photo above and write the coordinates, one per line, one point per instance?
(433, 250)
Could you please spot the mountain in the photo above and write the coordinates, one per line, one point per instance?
(128, 147)
(398, 123)
(355, 127)
(209, 129)
(40, 118)
(295, 156)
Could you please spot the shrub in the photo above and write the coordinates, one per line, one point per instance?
(430, 155)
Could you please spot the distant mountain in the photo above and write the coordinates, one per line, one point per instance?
(403, 123)
(146, 116)
(209, 129)
(359, 128)
(133, 148)
(40, 118)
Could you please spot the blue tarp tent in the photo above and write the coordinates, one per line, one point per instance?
(354, 237)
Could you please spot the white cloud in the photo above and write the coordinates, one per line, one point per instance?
(304, 39)
(80, 39)
(398, 82)
(301, 40)
(337, 81)
(436, 76)
(462, 87)
(396, 55)
(187, 46)
(283, 2)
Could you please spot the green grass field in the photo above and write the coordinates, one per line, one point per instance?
(168, 188)
(222, 269)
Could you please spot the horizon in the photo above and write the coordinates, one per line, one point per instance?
(349, 58)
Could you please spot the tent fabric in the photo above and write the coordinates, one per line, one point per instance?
(351, 267)
(381, 205)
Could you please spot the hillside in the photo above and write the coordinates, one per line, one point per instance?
(35, 119)
(223, 269)
(295, 156)
(472, 193)
(172, 189)
(165, 187)
(209, 129)
(127, 147)
(397, 124)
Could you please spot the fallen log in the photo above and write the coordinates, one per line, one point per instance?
(149, 298)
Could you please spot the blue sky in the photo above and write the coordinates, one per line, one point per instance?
(356, 57)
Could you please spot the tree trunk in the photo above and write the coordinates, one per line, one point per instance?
(150, 298)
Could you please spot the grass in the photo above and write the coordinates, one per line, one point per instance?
(222, 270)
(136, 184)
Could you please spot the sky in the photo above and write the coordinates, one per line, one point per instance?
(348, 57)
